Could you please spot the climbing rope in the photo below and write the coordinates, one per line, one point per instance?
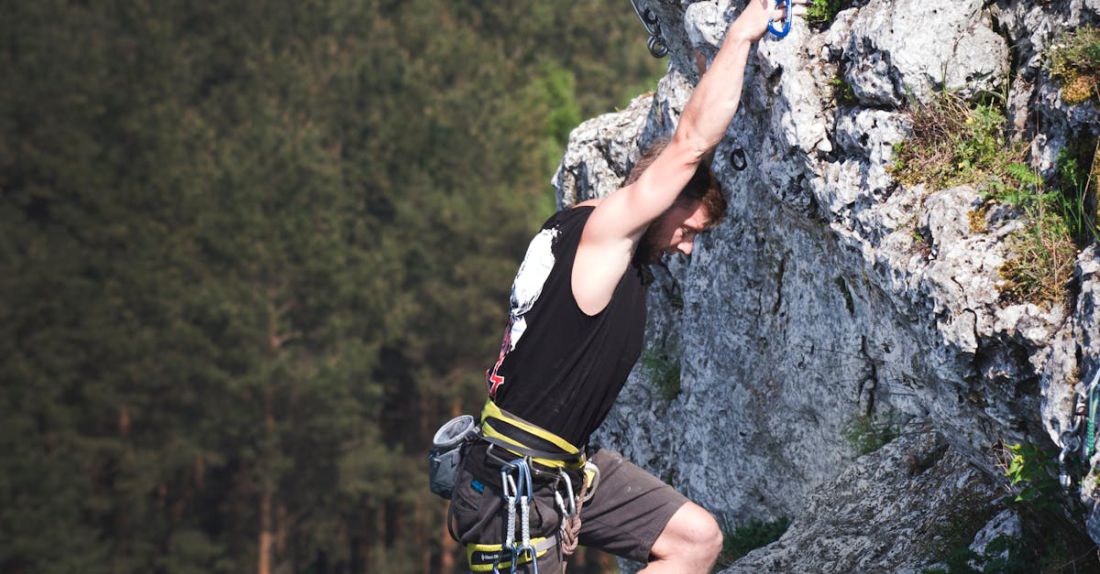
(656, 43)
(782, 33)
(571, 514)
(571, 519)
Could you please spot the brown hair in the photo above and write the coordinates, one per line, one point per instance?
(703, 186)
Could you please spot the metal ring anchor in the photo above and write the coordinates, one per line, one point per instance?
(738, 159)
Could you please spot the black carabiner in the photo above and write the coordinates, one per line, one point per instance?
(658, 48)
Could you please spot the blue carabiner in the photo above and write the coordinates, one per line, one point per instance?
(521, 550)
(780, 34)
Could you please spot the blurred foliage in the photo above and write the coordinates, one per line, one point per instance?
(662, 366)
(254, 253)
(820, 13)
(866, 433)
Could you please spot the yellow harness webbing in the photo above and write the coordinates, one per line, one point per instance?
(486, 557)
(503, 429)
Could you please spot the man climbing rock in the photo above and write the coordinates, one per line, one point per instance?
(531, 486)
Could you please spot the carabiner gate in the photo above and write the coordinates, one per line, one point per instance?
(780, 34)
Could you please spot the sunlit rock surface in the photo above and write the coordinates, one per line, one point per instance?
(833, 296)
(884, 513)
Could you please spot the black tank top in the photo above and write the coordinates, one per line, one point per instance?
(558, 367)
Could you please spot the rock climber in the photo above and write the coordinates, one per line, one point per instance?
(575, 330)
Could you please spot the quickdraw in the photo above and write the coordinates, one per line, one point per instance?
(1086, 408)
(517, 492)
(1093, 407)
(780, 34)
(1071, 441)
(656, 43)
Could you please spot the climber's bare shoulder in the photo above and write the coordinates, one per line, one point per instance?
(599, 263)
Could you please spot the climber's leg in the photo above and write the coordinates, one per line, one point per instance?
(690, 542)
(633, 510)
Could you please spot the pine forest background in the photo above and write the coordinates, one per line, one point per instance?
(253, 253)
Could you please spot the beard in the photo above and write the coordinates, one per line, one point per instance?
(649, 248)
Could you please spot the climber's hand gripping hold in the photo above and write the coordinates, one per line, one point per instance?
(618, 223)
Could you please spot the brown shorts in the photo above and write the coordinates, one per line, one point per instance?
(626, 515)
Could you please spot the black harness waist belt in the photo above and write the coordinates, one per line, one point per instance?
(521, 438)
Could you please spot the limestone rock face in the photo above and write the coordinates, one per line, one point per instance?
(913, 46)
(883, 513)
(834, 303)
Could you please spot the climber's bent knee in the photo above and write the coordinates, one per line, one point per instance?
(692, 536)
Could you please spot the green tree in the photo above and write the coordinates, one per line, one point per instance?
(254, 254)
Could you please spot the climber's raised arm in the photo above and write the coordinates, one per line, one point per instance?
(615, 227)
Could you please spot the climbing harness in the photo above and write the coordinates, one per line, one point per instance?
(780, 34)
(543, 455)
(521, 438)
(737, 159)
(656, 43)
(517, 491)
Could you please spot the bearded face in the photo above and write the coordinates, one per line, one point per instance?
(650, 247)
(674, 230)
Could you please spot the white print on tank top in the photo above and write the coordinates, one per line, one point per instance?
(526, 288)
(532, 275)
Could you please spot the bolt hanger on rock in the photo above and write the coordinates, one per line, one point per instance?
(738, 160)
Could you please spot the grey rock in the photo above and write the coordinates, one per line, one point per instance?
(833, 296)
(870, 135)
(887, 512)
(915, 46)
(1006, 524)
(1071, 363)
(600, 153)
